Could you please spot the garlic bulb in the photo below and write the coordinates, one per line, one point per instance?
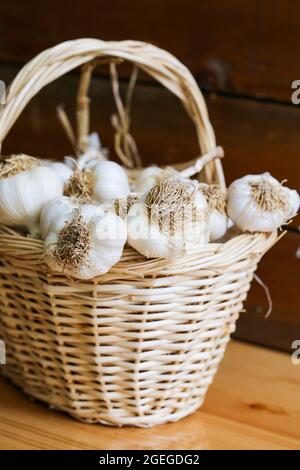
(25, 186)
(62, 170)
(151, 176)
(217, 220)
(170, 221)
(56, 213)
(110, 181)
(82, 242)
(94, 154)
(259, 203)
(106, 181)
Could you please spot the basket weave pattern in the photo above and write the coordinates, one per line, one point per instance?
(141, 344)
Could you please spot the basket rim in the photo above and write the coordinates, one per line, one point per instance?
(29, 251)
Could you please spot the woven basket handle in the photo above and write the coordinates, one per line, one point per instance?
(161, 65)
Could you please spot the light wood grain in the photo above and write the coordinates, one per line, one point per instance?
(252, 404)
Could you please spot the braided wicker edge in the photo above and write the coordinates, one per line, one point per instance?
(29, 251)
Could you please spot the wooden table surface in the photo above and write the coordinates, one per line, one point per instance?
(252, 404)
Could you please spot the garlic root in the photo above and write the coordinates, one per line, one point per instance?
(260, 203)
(170, 221)
(82, 241)
(26, 185)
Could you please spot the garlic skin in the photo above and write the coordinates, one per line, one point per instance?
(259, 203)
(62, 170)
(217, 220)
(94, 154)
(151, 176)
(217, 225)
(23, 195)
(56, 213)
(84, 242)
(294, 202)
(146, 237)
(170, 223)
(110, 182)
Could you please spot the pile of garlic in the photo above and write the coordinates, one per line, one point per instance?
(61, 203)
(83, 237)
(85, 209)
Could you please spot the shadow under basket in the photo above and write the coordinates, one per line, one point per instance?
(141, 344)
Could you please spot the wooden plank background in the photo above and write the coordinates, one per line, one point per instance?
(244, 55)
(244, 46)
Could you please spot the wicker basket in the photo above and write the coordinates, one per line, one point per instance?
(141, 344)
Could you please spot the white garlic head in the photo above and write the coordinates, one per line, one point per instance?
(170, 220)
(110, 181)
(103, 183)
(26, 185)
(84, 242)
(217, 220)
(151, 176)
(260, 203)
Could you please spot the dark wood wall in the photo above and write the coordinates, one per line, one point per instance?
(244, 54)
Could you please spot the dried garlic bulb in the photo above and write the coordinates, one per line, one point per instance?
(217, 220)
(259, 203)
(83, 241)
(105, 182)
(170, 220)
(26, 184)
(151, 176)
(110, 181)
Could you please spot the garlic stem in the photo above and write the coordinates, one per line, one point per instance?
(66, 124)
